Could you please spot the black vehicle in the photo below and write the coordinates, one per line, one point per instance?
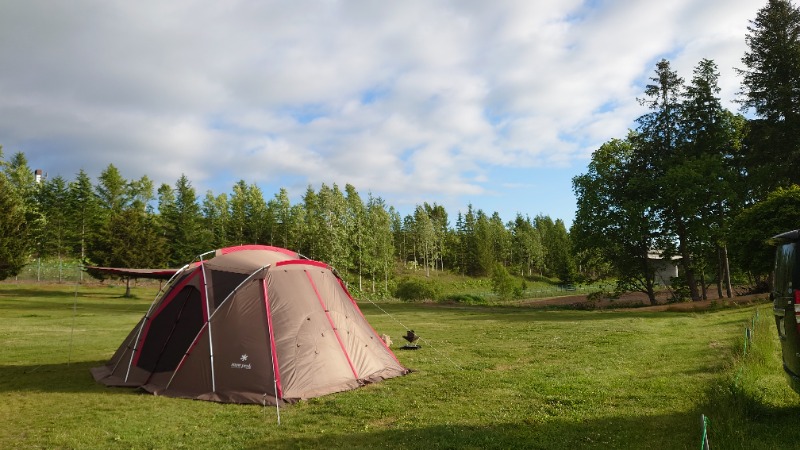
(786, 303)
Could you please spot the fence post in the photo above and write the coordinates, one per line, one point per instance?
(746, 339)
(704, 445)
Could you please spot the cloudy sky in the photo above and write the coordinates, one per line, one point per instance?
(497, 103)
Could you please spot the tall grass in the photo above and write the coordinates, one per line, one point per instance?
(751, 406)
(486, 377)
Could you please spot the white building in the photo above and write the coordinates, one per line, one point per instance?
(665, 269)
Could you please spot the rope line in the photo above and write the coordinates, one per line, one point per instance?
(421, 338)
(74, 313)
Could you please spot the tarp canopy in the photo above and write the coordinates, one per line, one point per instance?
(159, 274)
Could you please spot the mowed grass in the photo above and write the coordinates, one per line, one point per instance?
(486, 377)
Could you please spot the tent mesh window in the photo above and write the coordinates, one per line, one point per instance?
(223, 283)
(172, 331)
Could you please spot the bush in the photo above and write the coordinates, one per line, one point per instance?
(679, 290)
(465, 299)
(415, 290)
(503, 283)
(597, 296)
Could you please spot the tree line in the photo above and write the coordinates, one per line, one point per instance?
(697, 182)
(116, 222)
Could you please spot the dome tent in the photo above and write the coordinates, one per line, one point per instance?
(253, 324)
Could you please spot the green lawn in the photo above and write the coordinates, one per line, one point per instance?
(486, 377)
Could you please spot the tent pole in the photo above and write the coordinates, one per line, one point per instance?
(210, 341)
(272, 350)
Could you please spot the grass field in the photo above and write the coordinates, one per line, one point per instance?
(486, 377)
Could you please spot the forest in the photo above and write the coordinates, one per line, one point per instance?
(115, 222)
(693, 182)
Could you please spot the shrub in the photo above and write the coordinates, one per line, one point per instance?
(603, 294)
(679, 290)
(415, 290)
(503, 283)
(466, 299)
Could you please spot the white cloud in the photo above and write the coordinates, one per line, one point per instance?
(408, 100)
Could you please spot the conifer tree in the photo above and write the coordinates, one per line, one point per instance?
(771, 89)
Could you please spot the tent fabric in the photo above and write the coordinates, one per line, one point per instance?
(253, 324)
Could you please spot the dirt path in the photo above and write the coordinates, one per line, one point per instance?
(641, 303)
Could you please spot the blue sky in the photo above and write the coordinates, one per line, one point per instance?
(497, 104)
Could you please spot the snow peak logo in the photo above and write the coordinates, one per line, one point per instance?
(242, 364)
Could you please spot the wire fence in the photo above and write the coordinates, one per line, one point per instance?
(52, 271)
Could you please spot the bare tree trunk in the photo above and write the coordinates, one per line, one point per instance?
(728, 288)
(703, 284)
(425, 260)
(686, 262)
(720, 272)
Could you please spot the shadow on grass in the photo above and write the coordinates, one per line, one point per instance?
(741, 417)
(522, 314)
(28, 301)
(64, 377)
(554, 433)
(67, 290)
(31, 294)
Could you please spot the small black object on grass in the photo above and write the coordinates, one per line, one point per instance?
(412, 338)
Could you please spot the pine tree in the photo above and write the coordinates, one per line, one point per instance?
(53, 240)
(83, 214)
(771, 88)
(281, 209)
(215, 219)
(182, 221)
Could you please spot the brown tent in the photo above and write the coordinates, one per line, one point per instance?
(253, 324)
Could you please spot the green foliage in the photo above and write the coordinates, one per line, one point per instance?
(14, 242)
(416, 290)
(679, 290)
(181, 221)
(112, 190)
(641, 194)
(83, 214)
(612, 219)
(753, 227)
(596, 297)
(363, 240)
(464, 299)
(503, 284)
(216, 218)
(772, 87)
